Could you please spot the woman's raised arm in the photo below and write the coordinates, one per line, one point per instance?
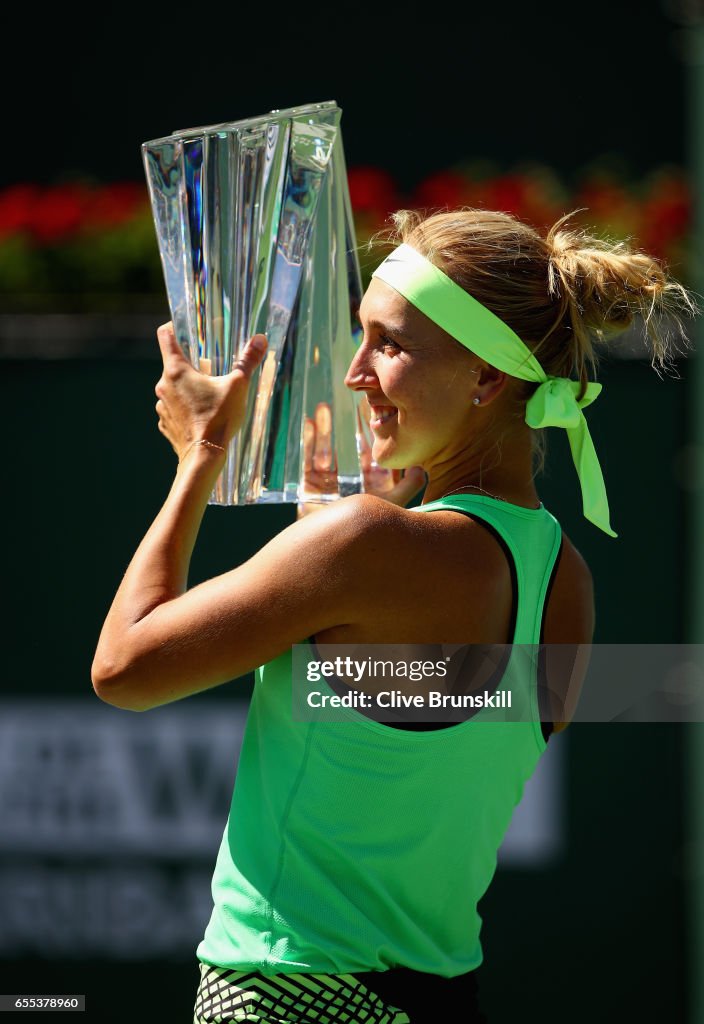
(160, 641)
(308, 578)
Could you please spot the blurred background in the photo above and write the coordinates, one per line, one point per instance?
(110, 821)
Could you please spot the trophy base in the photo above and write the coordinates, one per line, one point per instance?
(346, 486)
(294, 494)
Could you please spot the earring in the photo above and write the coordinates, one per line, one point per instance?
(475, 401)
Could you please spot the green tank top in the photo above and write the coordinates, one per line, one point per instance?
(355, 846)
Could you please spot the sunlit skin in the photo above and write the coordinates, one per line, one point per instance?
(406, 361)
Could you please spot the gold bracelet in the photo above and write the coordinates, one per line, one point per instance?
(202, 440)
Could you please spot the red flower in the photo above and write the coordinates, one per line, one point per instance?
(667, 214)
(16, 208)
(58, 212)
(509, 193)
(114, 204)
(372, 192)
(607, 202)
(446, 189)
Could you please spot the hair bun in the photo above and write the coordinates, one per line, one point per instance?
(607, 283)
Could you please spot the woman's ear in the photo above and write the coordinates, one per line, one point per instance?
(490, 383)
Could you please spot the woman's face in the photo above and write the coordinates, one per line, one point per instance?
(418, 380)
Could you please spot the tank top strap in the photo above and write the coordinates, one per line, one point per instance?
(533, 537)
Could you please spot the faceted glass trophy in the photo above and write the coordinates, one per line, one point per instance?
(255, 231)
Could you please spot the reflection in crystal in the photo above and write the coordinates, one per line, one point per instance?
(255, 230)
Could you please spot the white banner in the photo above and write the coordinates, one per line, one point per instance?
(110, 822)
(85, 778)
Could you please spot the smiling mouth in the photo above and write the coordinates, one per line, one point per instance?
(382, 414)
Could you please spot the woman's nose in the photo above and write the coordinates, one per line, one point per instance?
(360, 373)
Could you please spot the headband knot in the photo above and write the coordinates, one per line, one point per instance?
(555, 404)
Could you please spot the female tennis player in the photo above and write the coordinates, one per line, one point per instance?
(356, 851)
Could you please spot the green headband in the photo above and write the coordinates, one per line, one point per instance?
(554, 403)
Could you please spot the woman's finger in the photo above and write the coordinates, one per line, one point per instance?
(322, 457)
(252, 355)
(308, 445)
(407, 487)
(171, 351)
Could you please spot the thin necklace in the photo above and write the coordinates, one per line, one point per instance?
(458, 489)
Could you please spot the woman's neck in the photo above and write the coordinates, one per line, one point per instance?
(510, 480)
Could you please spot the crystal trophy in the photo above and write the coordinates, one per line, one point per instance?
(255, 232)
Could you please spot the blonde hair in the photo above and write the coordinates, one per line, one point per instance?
(559, 293)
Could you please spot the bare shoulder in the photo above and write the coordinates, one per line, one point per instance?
(348, 521)
(452, 554)
(369, 531)
(422, 578)
(568, 633)
(574, 557)
(392, 531)
(335, 542)
(570, 614)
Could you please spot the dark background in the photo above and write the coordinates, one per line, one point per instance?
(602, 935)
(562, 84)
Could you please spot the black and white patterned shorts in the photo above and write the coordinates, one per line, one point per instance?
(227, 996)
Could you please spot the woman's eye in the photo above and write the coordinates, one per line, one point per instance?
(390, 342)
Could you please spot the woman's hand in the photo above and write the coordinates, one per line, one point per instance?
(194, 406)
(319, 461)
(390, 485)
(320, 467)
